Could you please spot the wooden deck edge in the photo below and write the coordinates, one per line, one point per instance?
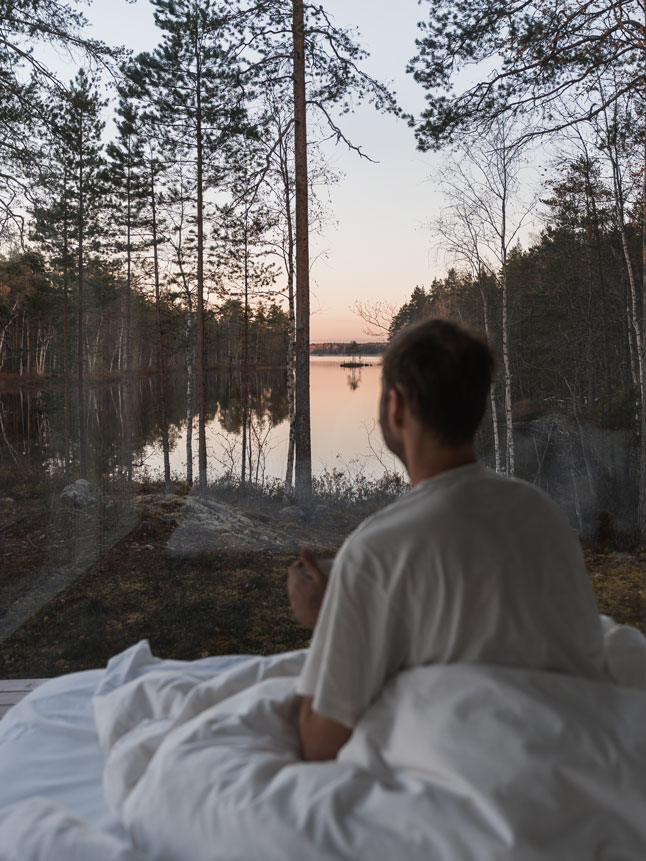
(13, 690)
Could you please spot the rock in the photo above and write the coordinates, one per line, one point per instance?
(209, 527)
(254, 515)
(624, 558)
(292, 512)
(322, 510)
(80, 494)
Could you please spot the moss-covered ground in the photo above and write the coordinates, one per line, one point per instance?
(223, 603)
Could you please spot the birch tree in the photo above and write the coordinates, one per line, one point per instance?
(462, 239)
(483, 187)
(532, 57)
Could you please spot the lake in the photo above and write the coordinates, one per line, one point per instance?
(344, 407)
(589, 471)
(345, 434)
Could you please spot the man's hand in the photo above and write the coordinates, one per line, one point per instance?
(321, 737)
(306, 585)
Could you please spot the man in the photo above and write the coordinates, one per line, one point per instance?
(468, 566)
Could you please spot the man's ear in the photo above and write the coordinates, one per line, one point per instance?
(396, 405)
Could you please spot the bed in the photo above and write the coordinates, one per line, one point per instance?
(152, 759)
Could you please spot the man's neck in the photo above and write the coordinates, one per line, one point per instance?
(428, 460)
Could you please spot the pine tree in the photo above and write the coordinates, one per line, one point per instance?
(127, 186)
(69, 219)
(154, 169)
(26, 86)
(241, 233)
(300, 47)
(193, 86)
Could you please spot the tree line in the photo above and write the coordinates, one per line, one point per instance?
(32, 309)
(347, 348)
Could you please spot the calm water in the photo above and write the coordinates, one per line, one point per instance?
(124, 427)
(344, 406)
(590, 472)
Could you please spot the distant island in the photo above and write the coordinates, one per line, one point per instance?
(347, 348)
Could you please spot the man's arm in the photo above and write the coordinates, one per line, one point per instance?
(321, 738)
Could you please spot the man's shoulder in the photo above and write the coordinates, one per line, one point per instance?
(520, 492)
(441, 506)
(376, 532)
(387, 518)
(405, 519)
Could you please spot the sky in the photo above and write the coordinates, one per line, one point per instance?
(376, 245)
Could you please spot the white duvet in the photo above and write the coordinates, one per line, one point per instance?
(450, 763)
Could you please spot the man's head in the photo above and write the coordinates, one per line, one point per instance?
(442, 373)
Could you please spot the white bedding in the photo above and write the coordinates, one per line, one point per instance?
(201, 762)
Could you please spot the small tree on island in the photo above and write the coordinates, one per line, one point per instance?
(354, 350)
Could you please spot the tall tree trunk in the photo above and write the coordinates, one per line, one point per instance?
(79, 344)
(189, 331)
(22, 343)
(636, 331)
(607, 386)
(127, 425)
(291, 346)
(201, 344)
(630, 340)
(245, 353)
(66, 337)
(190, 370)
(641, 511)
(161, 353)
(492, 389)
(633, 308)
(303, 431)
(510, 459)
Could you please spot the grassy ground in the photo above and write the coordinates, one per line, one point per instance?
(188, 608)
(229, 602)
(619, 581)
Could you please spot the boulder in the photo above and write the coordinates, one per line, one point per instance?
(292, 513)
(80, 494)
(209, 527)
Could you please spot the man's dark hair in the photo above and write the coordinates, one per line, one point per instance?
(444, 371)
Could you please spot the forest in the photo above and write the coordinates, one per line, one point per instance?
(33, 326)
(179, 241)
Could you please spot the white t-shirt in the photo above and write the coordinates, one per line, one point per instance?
(469, 567)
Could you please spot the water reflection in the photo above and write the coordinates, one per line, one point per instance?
(123, 422)
(353, 379)
(591, 472)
